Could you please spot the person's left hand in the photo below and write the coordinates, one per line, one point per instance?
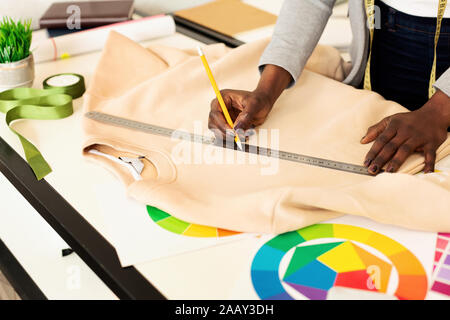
(398, 136)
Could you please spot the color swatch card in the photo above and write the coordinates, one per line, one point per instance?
(440, 283)
(441, 273)
(345, 258)
(143, 233)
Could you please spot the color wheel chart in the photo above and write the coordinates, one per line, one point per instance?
(441, 267)
(180, 227)
(312, 260)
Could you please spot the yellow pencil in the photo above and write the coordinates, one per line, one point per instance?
(219, 96)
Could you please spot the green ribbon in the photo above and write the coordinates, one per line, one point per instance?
(49, 103)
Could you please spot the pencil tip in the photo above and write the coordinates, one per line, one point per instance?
(239, 144)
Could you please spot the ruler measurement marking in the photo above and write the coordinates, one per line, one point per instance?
(183, 135)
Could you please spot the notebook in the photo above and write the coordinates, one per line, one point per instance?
(91, 13)
(229, 17)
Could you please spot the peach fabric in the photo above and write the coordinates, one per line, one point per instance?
(319, 116)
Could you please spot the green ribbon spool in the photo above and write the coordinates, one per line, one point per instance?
(51, 103)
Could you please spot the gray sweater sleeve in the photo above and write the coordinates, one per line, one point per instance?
(443, 83)
(297, 32)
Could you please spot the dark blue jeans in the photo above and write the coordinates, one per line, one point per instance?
(402, 56)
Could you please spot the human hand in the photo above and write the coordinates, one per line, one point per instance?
(398, 136)
(247, 109)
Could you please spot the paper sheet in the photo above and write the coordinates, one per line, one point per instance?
(94, 39)
(440, 284)
(136, 237)
(421, 244)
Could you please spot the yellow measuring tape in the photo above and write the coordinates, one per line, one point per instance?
(370, 11)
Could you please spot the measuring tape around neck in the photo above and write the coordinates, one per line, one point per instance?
(440, 16)
(370, 12)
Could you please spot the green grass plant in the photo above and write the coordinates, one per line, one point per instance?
(15, 40)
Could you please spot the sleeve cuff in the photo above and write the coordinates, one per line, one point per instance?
(443, 83)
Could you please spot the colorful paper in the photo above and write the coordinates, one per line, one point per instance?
(441, 274)
(177, 226)
(347, 257)
(141, 234)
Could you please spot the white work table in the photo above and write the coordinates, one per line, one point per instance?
(205, 274)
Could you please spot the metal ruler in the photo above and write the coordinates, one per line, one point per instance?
(182, 135)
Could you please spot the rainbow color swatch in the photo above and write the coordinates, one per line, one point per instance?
(180, 227)
(342, 262)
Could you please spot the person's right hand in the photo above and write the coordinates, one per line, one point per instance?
(247, 109)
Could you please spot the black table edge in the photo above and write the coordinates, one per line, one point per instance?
(88, 243)
(205, 32)
(17, 277)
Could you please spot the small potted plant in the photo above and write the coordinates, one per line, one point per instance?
(16, 60)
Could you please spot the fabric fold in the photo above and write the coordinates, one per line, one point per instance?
(319, 116)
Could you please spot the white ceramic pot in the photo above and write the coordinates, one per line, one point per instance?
(17, 74)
